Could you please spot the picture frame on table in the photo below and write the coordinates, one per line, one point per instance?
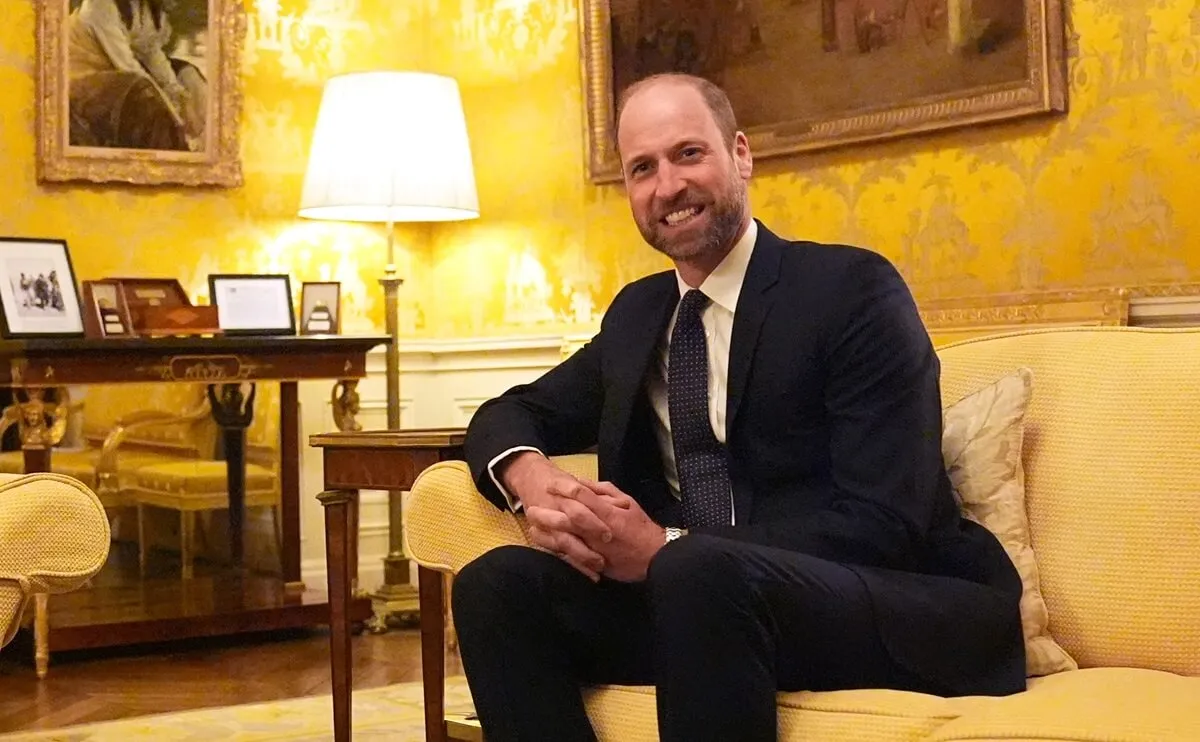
(320, 308)
(253, 303)
(105, 311)
(38, 296)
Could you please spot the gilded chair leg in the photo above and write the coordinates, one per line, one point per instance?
(187, 522)
(141, 531)
(41, 634)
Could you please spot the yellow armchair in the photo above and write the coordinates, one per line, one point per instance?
(126, 427)
(198, 485)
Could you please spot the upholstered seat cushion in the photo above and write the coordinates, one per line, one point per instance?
(628, 714)
(81, 465)
(78, 464)
(1104, 704)
(1096, 705)
(200, 485)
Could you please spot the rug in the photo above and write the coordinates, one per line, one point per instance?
(393, 713)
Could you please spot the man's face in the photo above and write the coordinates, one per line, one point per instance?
(687, 189)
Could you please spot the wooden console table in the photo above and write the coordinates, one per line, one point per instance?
(378, 460)
(242, 602)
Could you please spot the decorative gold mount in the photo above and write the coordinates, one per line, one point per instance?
(345, 403)
(204, 368)
(42, 424)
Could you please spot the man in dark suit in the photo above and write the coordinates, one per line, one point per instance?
(774, 513)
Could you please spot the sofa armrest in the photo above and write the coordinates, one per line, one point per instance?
(449, 524)
(54, 536)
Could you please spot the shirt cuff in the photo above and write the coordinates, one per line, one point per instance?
(513, 503)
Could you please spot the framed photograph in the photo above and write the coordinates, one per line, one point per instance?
(105, 311)
(814, 74)
(253, 304)
(140, 91)
(320, 308)
(37, 289)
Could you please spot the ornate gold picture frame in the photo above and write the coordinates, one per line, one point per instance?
(814, 74)
(140, 91)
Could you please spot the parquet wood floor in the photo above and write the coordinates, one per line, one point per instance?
(101, 685)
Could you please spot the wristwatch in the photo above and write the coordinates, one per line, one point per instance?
(674, 533)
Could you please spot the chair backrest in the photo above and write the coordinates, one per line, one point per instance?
(1112, 476)
(105, 404)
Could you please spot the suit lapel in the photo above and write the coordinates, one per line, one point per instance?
(635, 346)
(754, 303)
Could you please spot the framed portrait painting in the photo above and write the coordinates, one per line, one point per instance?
(814, 74)
(38, 298)
(140, 91)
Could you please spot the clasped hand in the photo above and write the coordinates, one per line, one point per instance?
(593, 526)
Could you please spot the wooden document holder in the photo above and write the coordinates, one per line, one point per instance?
(159, 307)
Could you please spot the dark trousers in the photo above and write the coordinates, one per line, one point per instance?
(718, 627)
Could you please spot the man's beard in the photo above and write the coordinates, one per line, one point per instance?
(726, 215)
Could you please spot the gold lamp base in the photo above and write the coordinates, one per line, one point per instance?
(396, 603)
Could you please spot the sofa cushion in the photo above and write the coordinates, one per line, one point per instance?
(81, 465)
(981, 443)
(200, 485)
(627, 713)
(1096, 705)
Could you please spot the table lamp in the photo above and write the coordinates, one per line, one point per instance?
(391, 146)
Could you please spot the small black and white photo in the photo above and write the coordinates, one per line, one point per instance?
(38, 295)
(37, 288)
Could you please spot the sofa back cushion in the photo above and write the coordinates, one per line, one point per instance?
(1112, 478)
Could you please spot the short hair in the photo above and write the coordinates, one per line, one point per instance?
(714, 97)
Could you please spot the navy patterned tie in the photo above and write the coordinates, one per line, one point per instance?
(699, 456)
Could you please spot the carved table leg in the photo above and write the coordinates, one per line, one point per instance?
(338, 505)
(289, 487)
(344, 401)
(233, 410)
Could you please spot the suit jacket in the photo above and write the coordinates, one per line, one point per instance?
(833, 437)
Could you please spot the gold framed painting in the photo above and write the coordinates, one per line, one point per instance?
(805, 75)
(140, 91)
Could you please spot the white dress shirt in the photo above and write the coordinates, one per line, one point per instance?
(723, 287)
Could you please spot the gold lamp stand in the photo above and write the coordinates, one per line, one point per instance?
(395, 602)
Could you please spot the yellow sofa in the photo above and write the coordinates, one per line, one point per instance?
(1112, 483)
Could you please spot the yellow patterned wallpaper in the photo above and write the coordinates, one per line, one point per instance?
(1101, 196)
(292, 47)
(1098, 197)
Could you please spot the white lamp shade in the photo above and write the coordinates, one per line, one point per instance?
(390, 146)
